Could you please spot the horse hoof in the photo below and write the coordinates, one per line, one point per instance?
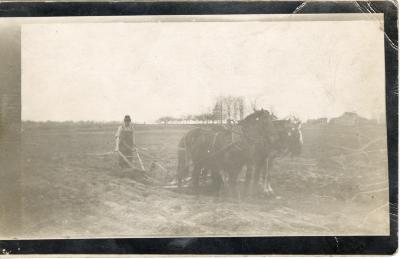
(267, 193)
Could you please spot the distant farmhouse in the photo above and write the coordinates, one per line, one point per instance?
(351, 119)
(319, 121)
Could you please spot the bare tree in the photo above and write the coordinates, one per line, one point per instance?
(228, 107)
(185, 118)
(229, 102)
(165, 120)
(253, 104)
(238, 108)
(235, 108)
(218, 109)
(240, 103)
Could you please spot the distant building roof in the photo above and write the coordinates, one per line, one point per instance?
(350, 114)
(349, 118)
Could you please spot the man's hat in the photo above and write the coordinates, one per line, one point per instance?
(127, 118)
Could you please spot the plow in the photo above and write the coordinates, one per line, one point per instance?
(135, 165)
(138, 170)
(131, 165)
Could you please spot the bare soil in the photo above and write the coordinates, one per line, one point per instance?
(72, 187)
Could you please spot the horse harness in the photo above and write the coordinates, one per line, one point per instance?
(234, 142)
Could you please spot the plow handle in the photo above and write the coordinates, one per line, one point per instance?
(140, 160)
(126, 160)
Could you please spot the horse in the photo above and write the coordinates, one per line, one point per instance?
(204, 148)
(289, 142)
(261, 139)
(214, 151)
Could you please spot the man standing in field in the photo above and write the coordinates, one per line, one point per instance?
(125, 141)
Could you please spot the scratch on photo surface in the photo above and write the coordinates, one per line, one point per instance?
(337, 242)
(298, 8)
(370, 9)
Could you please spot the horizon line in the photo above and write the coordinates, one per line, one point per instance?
(154, 122)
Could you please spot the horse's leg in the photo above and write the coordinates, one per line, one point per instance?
(179, 178)
(268, 175)
(217, 181)
(256, 178)
(202, 175)
(265, 176)
(249, 176)
(267, 180)
(196, 176)
(258, 165)
(182, 167)
(265, 172)
(233, 177)
(262, 173)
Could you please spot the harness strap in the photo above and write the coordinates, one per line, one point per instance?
(185, 148)
(214, 140)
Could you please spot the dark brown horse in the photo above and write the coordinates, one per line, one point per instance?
(214, 151)
(289, 142)
(198, 146)
(204, 148)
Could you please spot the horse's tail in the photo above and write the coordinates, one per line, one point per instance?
(183, 160)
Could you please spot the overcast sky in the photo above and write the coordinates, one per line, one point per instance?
(100, 71)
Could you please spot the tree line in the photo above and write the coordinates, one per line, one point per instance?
(223, 108)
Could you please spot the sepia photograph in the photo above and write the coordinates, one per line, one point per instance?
(203, 126)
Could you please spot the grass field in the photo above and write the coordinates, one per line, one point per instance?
(72, 187)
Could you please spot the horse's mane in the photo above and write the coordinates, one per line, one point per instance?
(292, 118)
(285, 123)
(257, 114)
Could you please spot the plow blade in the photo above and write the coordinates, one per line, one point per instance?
(131, 165)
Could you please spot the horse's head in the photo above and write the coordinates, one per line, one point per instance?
(259, 126)
(290, 136)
